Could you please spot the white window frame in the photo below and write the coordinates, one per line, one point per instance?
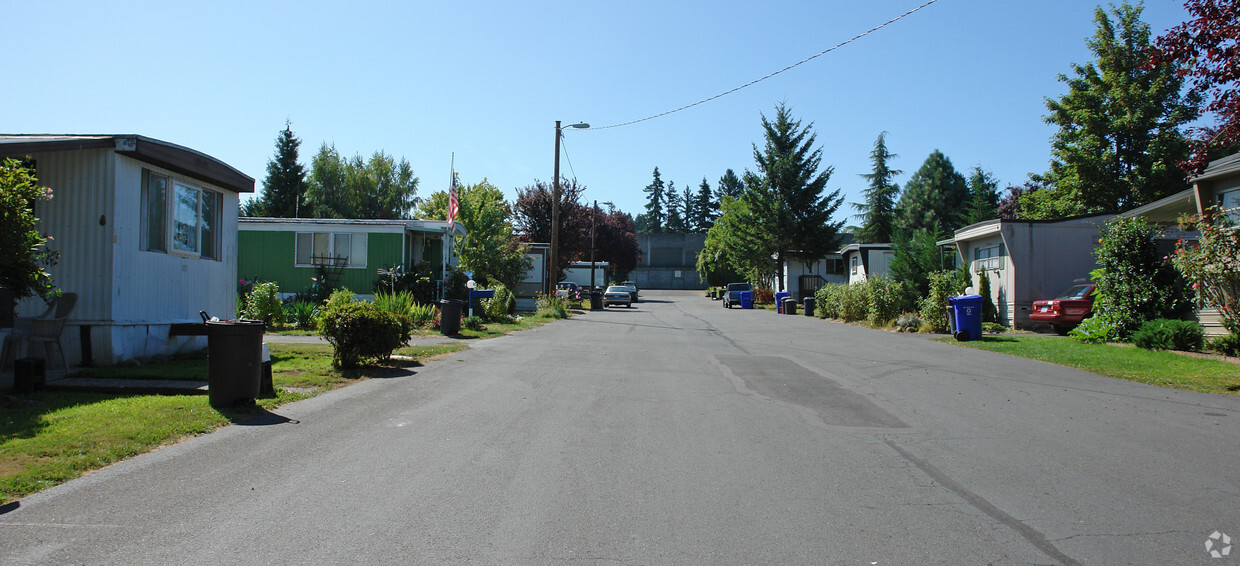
(358, 247)
(989, 258)
(1229, 203)
(854, 264)
(206, 218)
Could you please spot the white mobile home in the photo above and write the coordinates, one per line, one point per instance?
(147, 235)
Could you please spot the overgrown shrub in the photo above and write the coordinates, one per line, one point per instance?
(826, 301)
(1227, 344)
(418, 281)
(1135, 283)
(909, 322)
(933, 306)
(360, 332)
(422, 315)
(500, 307)
(1169, 334)
(552, 306)
(1097, 329)
(300, 313)
(884, 297)
(399, 302)
(263, 303)
(1213, 263)
(854, 301)
(472, 323)
(993, 328)
(763, 296)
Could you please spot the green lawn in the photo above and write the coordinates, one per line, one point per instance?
(1165, 369)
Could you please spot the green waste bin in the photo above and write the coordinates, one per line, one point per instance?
(234, 361)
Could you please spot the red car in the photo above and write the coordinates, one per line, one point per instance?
(1067, 310)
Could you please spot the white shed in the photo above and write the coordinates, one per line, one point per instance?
(147, 235)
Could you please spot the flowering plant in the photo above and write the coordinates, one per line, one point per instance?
(1213, 262)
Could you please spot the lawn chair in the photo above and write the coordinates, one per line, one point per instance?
(45, 329)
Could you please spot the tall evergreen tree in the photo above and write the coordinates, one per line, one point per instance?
(878, 212)
(286, 180)
(1119, 141)
(704, 208)
(983, 197)
(785, 195)
(675, 210)
(655, 217)
(933, 199)
(729, 186)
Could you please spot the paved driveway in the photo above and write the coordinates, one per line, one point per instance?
(678, 432)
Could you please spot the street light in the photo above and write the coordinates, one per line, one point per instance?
(554, 268)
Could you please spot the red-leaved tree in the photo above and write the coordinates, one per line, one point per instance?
(1206, 49)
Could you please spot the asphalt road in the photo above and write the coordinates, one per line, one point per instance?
(678, 432)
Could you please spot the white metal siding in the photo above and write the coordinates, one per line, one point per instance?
(157, 287)
(81, 199)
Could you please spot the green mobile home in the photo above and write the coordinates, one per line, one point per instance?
(353, 254)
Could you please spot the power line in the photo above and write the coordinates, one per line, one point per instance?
(789, 67)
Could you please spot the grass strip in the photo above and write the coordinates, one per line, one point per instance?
(51, 437)
(1161, 368)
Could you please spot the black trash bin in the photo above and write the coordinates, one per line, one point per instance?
(790, 305)
(596, 300)
(450, 316)
(809, 305)
(234, 361)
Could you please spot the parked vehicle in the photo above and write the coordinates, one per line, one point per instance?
(632, 287)
(568, 290)
(733, 295)
(1067, 310)
(617, 295)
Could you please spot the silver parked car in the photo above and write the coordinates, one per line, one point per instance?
(617, 295)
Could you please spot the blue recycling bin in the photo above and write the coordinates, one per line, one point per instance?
(967, 313)
(746, 299)
(779, 301)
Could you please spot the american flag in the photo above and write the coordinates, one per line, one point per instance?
(454, 205)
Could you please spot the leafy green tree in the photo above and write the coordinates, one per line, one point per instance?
(983, 197)
(705, 209)
(933, 199)
(490, 249)
(285, 183)
(1135, 283)
(741, 242)
(1119, 140)
(786, 192)
(655, 217)
(23, 250)
(878, 212)
(378, 188)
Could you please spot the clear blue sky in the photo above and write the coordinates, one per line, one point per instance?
(487, 80)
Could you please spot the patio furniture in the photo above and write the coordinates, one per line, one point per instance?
(44, 329)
